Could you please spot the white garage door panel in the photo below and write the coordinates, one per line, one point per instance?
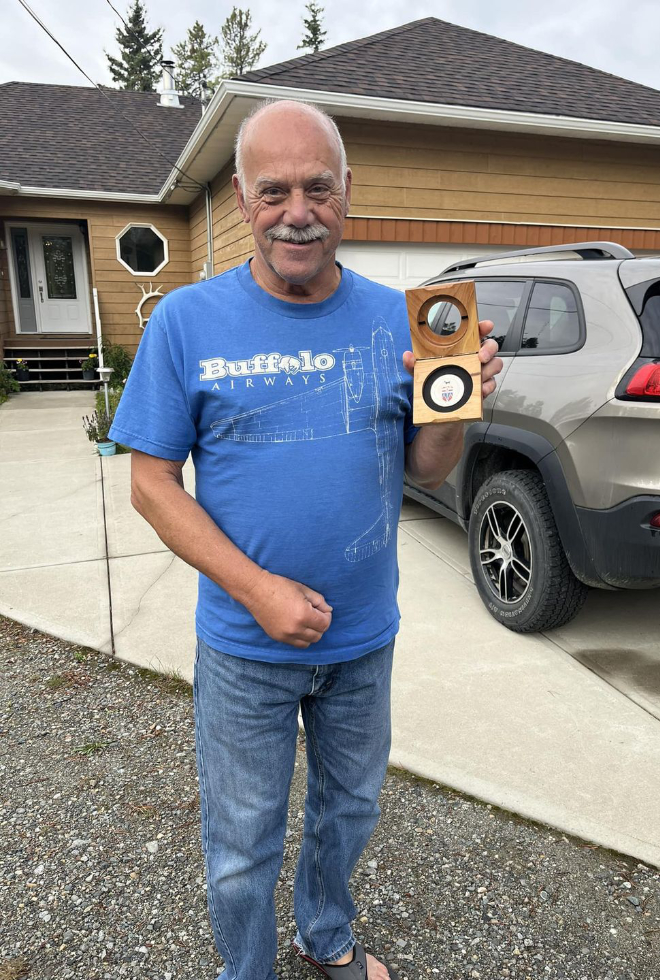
(403, 266)
(372, 262)
(426, 264)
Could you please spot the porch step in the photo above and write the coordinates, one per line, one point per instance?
(50, 366)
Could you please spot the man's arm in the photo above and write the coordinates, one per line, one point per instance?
(433, 453)
(288, 611)
(437, 448)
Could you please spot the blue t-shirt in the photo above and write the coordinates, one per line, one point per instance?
(296, 415)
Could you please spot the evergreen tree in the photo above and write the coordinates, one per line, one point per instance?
(240, 49)
(196, 61)
(314, 37)
(141, 51)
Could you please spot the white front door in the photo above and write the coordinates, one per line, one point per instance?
(57, 270)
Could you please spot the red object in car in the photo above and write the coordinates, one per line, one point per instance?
(646, 381)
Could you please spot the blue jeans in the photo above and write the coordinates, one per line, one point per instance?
(246, 727)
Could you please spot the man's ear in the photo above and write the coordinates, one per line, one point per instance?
(240, 200)
(348, 183)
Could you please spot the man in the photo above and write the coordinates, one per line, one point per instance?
(284, 378)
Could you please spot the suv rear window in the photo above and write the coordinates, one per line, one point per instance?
(645, 298)
(552, 323)
(499, 301)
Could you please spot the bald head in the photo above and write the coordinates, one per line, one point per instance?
(293, 188)
(285, 115)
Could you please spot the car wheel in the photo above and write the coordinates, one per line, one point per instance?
(518, 562)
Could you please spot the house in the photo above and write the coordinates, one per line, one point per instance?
(460, 144)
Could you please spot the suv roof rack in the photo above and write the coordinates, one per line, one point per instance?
(587, 250)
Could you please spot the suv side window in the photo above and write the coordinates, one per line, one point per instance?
(499, 301)
(552, 323)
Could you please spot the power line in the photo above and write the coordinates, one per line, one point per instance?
(107, 97)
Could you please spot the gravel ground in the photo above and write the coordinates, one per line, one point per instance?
(101, 873)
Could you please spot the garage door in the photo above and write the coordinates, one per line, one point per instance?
(403, 266)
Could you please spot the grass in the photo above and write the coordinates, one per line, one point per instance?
(170, 682)
(143, 809)
(14, 969)
(83, 654)
(91, 748)
(114, 394)
(68, 678)
(56, 681)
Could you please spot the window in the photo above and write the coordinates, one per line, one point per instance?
(499, 302)
(552, 322)
(58, 263)
(645, 298)
(142, 249)
(21, 261)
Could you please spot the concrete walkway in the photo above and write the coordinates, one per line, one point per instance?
(563, 728)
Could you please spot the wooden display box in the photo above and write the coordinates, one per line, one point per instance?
(447, 376)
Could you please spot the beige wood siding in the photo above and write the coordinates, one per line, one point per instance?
(119, 291)
(469, 175)
(232, 239)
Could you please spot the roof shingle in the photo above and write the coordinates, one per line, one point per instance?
(72, 137)
(431, 60)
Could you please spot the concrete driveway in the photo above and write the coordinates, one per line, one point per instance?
(563, 728)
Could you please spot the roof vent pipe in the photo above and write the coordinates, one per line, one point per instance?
(169, 96)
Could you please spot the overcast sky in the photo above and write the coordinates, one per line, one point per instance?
(622, 38)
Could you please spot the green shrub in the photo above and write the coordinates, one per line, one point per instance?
(114, 394)
(117, 357)
(8, 383)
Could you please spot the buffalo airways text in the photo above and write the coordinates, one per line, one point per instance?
(266, 366)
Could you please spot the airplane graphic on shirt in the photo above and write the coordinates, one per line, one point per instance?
(355, 402)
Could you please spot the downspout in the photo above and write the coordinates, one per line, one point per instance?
(208, 266)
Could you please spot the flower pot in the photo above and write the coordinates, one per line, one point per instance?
(89, 375)
(108, 448)
(22, 375)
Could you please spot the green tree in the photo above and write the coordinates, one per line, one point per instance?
(240, 49)
(314, 36)
(196, 61)
(140, 52)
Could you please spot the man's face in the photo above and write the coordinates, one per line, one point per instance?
(294, 194)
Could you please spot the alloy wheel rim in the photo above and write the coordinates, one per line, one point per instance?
(505, 552)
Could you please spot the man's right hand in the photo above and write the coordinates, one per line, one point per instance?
(289, 611)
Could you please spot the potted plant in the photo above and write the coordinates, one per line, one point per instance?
(22, 370)
(89, 366)
(97, 425)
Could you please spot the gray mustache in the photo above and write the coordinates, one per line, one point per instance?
(299, 236)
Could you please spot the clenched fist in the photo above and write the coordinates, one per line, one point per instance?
(289, 611)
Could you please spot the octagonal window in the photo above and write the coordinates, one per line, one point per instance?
(142, 249)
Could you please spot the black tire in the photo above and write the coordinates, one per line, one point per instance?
(522, 574)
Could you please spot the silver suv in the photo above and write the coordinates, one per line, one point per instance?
(559, 486)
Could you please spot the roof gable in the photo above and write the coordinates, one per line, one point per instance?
(72, 137)
(431, 60)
